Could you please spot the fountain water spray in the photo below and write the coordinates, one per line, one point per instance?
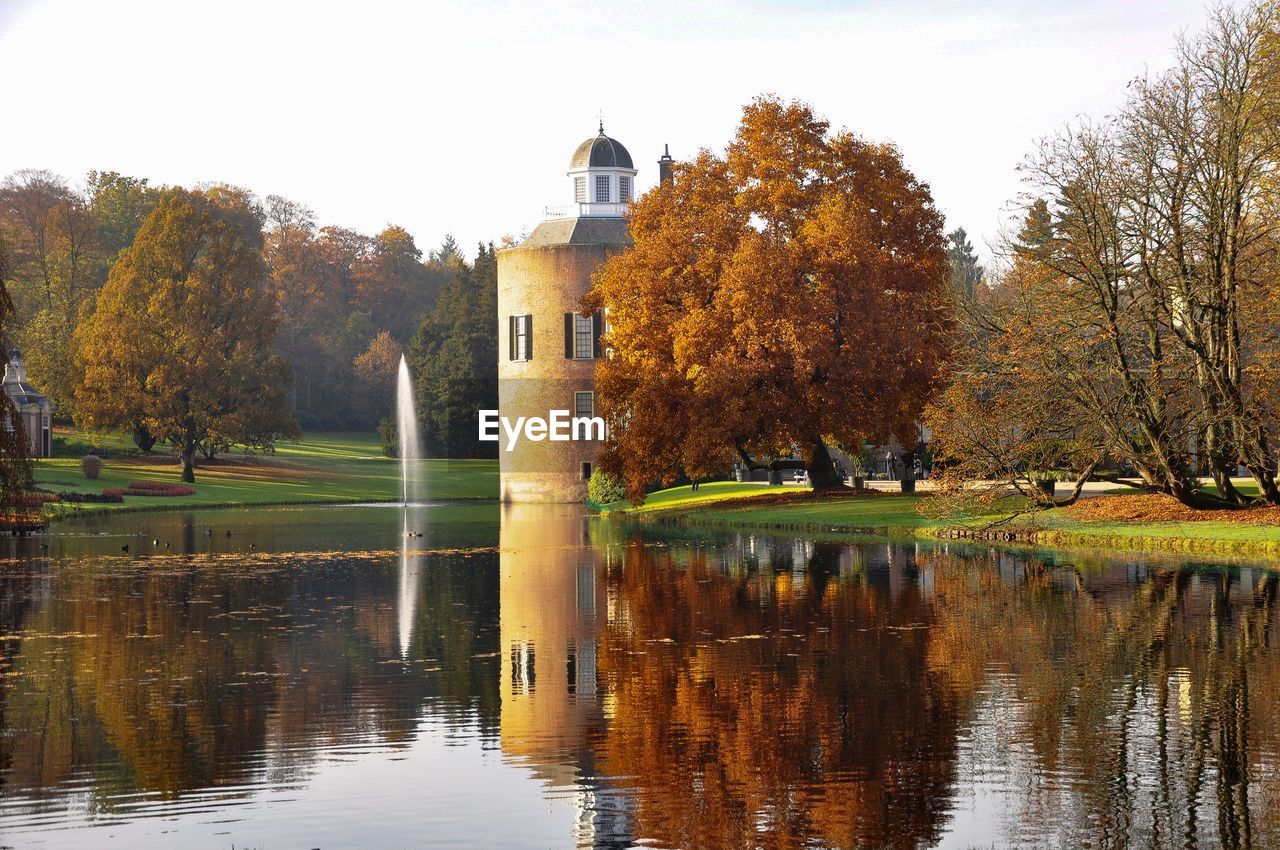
(410, 455)
(407, 428)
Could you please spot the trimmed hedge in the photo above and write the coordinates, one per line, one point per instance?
(93, 498)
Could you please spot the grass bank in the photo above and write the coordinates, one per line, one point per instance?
(789, 508)
(321, 468)
(1115, 522)
(1158, 523)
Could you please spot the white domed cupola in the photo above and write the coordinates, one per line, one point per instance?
(602, 177)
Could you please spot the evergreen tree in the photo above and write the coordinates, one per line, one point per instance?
(966, 272)
(448, 254)
(1036, 231)
(455, 357)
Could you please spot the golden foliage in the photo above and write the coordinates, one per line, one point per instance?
(788, 294)
(180, 338)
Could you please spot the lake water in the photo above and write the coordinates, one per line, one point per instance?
(532, 678)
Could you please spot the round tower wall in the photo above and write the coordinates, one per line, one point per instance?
(544, 282)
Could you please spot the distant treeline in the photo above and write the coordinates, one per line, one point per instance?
(345, 304)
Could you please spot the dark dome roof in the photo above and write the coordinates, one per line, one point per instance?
(601, 152)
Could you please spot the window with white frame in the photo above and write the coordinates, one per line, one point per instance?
(624, 188)
(602, 189)
(584, 404)
(580, 190)
(522, 330)
(584, 341)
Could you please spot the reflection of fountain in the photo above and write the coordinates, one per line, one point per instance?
(407, 429)
(410, 572)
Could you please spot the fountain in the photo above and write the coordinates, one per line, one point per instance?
(410, 496)
(407, 429)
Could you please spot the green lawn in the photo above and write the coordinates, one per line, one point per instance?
(712, 491)
(350, 467)
(860, 513)
(323, 467)
(853, 513)
(1206, 537)
(897, 515)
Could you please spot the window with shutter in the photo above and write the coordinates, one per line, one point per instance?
(583, 337)
(522, 337)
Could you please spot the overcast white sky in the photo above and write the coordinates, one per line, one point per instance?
(461, 117)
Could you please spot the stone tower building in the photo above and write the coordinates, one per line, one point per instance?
(547, 352)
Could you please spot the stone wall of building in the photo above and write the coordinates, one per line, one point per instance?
(545, 281)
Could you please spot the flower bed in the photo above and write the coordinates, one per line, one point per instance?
(157, 488)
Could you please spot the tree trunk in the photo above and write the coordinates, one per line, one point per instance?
(187, 450)
(1076, 489)
(1221, 464)
(908, 481)
(821, 469)
(142, 437)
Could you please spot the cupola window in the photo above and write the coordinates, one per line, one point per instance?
(624, 188)
(602, 189)
(580, 190)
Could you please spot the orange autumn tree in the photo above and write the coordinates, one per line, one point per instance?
(180, 337)
(789, 295)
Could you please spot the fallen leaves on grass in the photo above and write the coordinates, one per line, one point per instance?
(1160, 508)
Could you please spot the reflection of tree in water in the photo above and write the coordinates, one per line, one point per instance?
(774, 707)
(175, 675)
(747, 691)
(1145, 701)
(22, 582)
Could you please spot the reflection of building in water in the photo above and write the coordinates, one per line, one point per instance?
(552, 610)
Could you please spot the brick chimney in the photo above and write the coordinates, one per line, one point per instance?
(664, 165)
